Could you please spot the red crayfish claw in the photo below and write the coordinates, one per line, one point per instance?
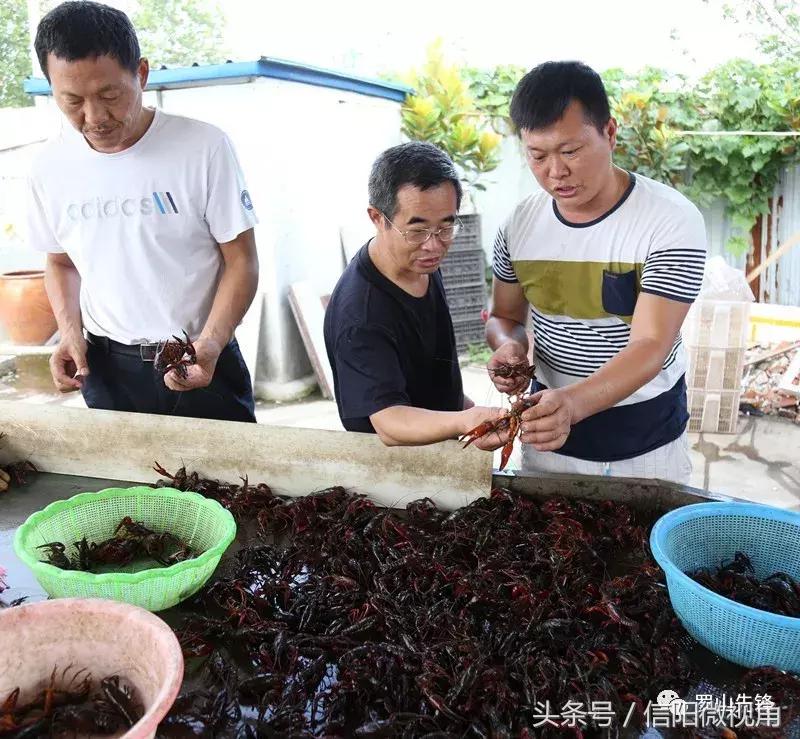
(510, 421)
(188, 347)
(513, 427)
(487, 427)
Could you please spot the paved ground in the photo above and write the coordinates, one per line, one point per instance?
(761, 462)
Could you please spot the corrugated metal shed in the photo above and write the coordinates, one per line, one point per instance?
(783, 279)
(718, 230)
(780, 283)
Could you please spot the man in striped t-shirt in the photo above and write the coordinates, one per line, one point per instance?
(608, 263)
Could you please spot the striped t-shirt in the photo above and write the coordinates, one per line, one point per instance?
(582, 281)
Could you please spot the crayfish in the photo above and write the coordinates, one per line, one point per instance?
(4, 586)
(515, 371)
(345, 619)
(511, 421)
(165, 548)
(175, 354)
(130, 540)
(15, 473)
(66, 707)
(736, 579)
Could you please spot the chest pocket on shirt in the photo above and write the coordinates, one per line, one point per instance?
(619, 292)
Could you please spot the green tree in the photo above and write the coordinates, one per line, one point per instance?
(653, 108)
(181, 32)
(492, 91)
(649, 107)
(442, 110)
(16, 64)
(744, 170)
(774, 23)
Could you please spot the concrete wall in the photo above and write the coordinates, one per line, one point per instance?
(505, 187)
(22, 133)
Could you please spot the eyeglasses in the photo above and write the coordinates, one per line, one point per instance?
(419, 236)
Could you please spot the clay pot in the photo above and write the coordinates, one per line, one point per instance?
(25, 311)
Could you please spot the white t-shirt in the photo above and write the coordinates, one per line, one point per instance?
(142, 226)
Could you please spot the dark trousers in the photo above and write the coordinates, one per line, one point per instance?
(119, 380)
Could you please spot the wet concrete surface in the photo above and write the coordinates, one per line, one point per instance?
(761, 462)
(19, 503)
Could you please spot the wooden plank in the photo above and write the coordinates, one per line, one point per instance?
(307, 308)
(772, 354)
(777, 254)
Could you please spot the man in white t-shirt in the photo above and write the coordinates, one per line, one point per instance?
(148, 229)
(607, 262)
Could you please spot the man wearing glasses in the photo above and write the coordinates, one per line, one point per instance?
(388, 331)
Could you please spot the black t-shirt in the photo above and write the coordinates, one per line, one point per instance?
(387, 347)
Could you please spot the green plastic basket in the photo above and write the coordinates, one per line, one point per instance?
(201, 522)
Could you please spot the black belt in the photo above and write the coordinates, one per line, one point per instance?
(145, 352)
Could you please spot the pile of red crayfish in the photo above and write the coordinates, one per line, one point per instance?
(778, 593)
(69, 707)
(131, 541)
(342, 619)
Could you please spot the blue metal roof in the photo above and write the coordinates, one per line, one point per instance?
(211, 74)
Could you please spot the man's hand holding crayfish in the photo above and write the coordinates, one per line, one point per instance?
(546, 423)
(542, 419)
(509, 369)
(547, 415)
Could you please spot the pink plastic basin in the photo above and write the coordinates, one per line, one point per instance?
(103, 636)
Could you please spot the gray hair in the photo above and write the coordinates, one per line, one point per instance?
(416, 163)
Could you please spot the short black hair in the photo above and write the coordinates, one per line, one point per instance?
(416, 163)
(81, 29)
(546, 91)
